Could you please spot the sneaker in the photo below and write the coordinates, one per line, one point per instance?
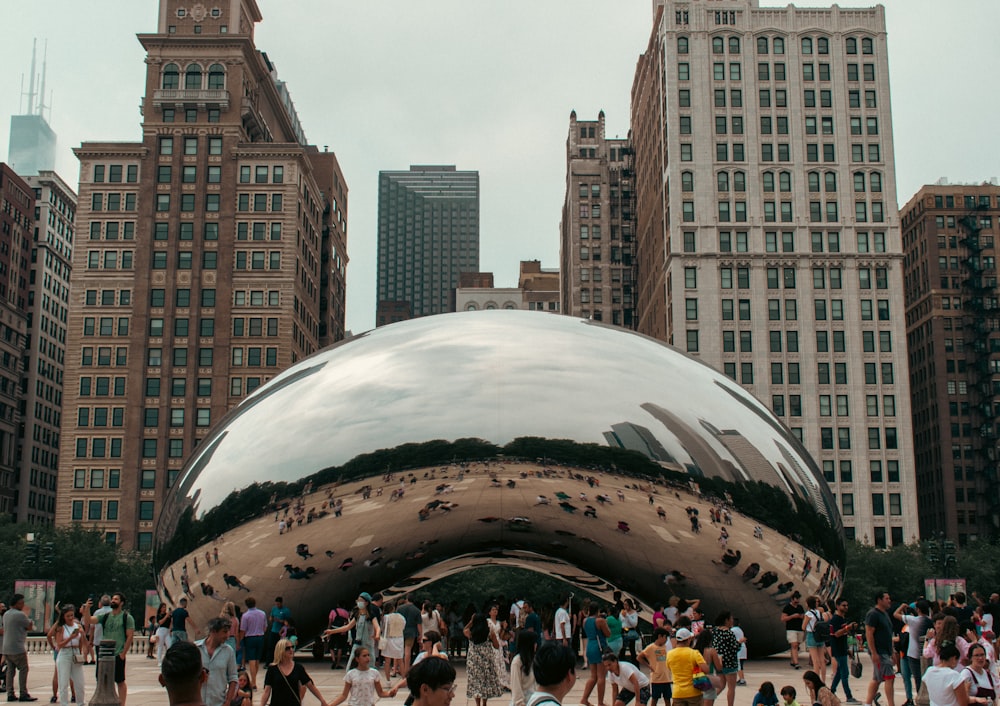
(741, 682)
(53, 700)
(909, 702)
(796, 666)
(851, 700)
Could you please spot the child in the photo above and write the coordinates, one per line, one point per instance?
(362, 683)
(788, 694)
(244, 694)
(765, 695)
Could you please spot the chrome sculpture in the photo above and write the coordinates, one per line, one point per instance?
(552, 443)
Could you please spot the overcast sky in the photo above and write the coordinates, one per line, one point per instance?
(486, 86)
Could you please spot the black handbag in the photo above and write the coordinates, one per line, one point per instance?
(856, 668)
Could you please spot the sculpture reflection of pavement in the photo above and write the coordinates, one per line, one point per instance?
(549, 518)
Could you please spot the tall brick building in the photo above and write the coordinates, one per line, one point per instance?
(597, 230)
(17, 209)
(211, 255)
(952, 319)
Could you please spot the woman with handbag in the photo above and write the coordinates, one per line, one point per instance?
(977, 675)
(71, 641)
(596, 632)
(703, 644)
(286, 681)
(629, 618)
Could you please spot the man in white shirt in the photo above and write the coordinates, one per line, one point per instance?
(563, 625)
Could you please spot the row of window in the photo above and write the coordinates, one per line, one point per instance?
(746, 377)
(194, 77)
(96, 510)
(823, 338)
(875, 471)
(151, 417)
(112, 230)
(735, 100)
(785, 278)
(722, 154)
(834, 309)
(866, 242)
(190, 145)
(776, 45)
(114, 172)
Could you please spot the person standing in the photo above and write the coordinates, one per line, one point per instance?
(563, 624)
(654, 655)
(16, 625)
(98, 632)
(917, 627)
(878, 633)
(682, 661)
(278, 619)
(286, 680)
(71, 642)
(411, 632)
(839, 630)
(253, 623)
(727, 646)
(219, 659)
(179, 620)
(791, 616)
(945, 685)
(118, 626)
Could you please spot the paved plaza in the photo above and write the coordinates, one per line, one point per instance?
(144, 690)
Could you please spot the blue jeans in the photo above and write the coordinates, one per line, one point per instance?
(909, 671)
(842, 676)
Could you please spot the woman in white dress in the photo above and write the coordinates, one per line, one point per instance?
(71, 641)
(499, 629)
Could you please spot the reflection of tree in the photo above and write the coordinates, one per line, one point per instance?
(760, 501)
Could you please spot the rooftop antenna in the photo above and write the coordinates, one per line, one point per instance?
(31, 80)
(41, 92)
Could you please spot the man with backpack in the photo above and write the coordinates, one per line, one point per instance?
(119, 626)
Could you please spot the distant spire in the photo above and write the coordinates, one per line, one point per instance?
(41, 92)
(31, 81)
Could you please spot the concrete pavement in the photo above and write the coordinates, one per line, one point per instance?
(144, 690)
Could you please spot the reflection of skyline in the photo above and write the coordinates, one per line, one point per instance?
(634, 437)
(704, 461)
(755, 466)
(496, 376)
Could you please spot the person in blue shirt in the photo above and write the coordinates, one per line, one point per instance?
(278, 618)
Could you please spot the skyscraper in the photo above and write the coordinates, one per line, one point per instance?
(949, 239)
(768, 236)
(45, 352)
(428, 234)
(17, 207)
(32, 146)
(213, 257)
(597, 231)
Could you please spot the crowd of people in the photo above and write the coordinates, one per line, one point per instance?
(944, 651)
(524, 658)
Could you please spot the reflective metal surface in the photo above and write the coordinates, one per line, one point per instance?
(549, 442)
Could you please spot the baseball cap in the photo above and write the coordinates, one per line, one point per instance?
(683, 634)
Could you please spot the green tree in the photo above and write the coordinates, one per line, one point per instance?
(79, 560)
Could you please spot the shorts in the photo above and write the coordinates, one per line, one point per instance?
(253, 645)
(885, 671)
(119, 669)
(793, 637)
(408, 642)
(735, 670)
(626, 696)
(690, 701)
(662, 690)
(811, 641)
